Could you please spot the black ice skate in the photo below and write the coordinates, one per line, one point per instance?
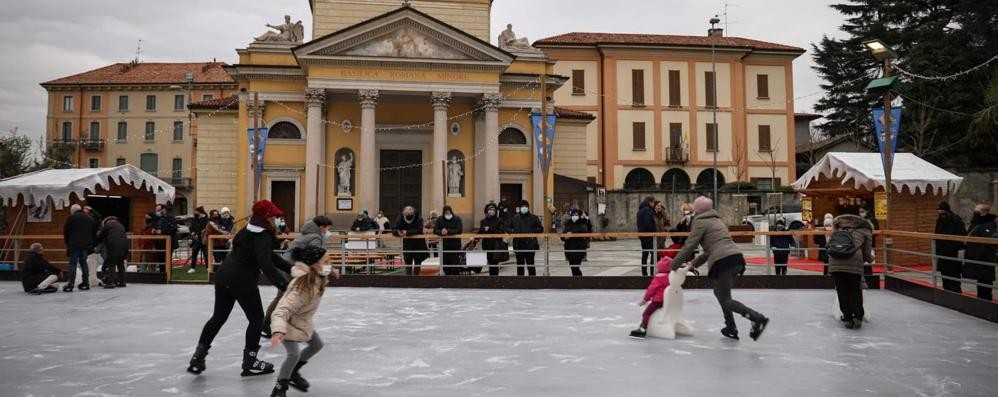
(84, 287)
(197, 365)
(280, 389)
(757, 327)
(730, 332)
(254, 367)
(855, 323)
(297, 381)
(68, 287)
(639, 333)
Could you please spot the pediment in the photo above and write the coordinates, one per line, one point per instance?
(399, 36)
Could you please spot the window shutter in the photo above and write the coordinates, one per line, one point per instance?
(711, 143)
(639, 136)
(762, 85)
(708, 78)
(638, 87)
(765, 139)
(578, 82)
(674, 93)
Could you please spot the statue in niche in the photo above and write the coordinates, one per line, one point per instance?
(508, 40)
(454, 174)
(286, 33)
(345, 171)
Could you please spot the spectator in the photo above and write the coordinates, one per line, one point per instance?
(450, 225)
(661, 224)
(414, 250)
(116, 248)
(575, 247)
(685, 222)
(434, 243)
(848, 271)
(227, 224)
(505, 209)
(39, 274)
(947, 251)
(865, 213)
(821, 240)
(80, 235)
(363, 223)
(314, 233)
(167, 226)
(214, 228)
(646, 224)
(982, 225)
(93, 213)
(492, 224)
(781, 246)
(198, 227)
(525, 247)
(383, 223)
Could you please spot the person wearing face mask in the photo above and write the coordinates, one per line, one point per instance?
(414, 250)
(167, 226)
(685, 222)
(198, 249)
(982, 224)
(646, 224)
(492, 224)
(236, 281)
(363, 223)
(227, 223)
(525, 247)
(781, 246)
(432, 244)
(314, 233)
(450, 225)
(947, 251)
(575, 247)
(214, 228)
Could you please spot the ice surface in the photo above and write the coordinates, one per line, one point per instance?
(421, 342)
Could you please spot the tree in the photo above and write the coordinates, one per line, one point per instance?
(985, 123)
(15, 154)
(57, 156)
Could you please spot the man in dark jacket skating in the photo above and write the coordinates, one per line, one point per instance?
(646, 224)
(982, 225)
(80, 235)
(116, 247)
(950, 224)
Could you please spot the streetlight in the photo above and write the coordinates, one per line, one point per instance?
(713, 75)
(883, 53)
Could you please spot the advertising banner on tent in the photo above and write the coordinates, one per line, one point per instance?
(878, 125)
(543, 153)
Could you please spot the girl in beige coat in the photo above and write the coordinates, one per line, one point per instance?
(291, 323)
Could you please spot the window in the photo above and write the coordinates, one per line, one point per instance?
(120, 161)
(638, 87)
(67, 104)
(762, 86)
(93, 163)
(150, 131)
(284, 130)
(711, 137)
(639, 136)
(178, 168)
(123, 103)
(95, 103)
(639, 179)
(67, 131)
(122, 131)
(675, 179)
(149, 162)
(178, 131)
(709, 93)
(94, 131)
(674, 91)
(578, 82)
(676, 135)
(765, 144)
(512, 136)
(178, 102)
(207, 97)
(150, 103)
(705, 180)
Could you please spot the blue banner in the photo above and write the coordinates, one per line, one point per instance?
(878, 125)
(261, 147)
(544, 153)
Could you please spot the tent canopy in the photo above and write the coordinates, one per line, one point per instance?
(866, 170)
(36, 187)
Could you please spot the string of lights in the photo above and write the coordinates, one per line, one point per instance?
(953, 76)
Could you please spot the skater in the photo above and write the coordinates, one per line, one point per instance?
(450, 225)
(313, 234)
(848, 249)
(525, 247)
(947, 251)
(781, 246)
(725, 262)
(39, 274)
(575, 247)
(80, 235)
(492, 224)
(982, 224)
(292, 319)
(653, 296)
(414, 250)
(116, 245)
(236, 281)
(646, 224)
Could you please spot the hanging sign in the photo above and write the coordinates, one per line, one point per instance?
(878, 125)
(543, 153)
(880, 205)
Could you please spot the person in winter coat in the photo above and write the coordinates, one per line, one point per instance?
(80, 235)
(198, 250)
(821, 240)
(646, 224)
(949, 224)
(363, 223)
(982, 225)
(848, 272)
(293, 318)
(450, 225)
(236, 281)
(781, 246)
(414, 250)
(575, 247)
(662, 224)
(684, 224)
(383, 223)
(215, 228)
(167, 225)
(313, 234)
(492, 224)
(726, 262)
(117, 248)
(525, 247)
(39, 274)
(866, 213)
(227, 223)
(654, 296)
(433, 244)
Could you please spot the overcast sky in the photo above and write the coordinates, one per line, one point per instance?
(48, 39)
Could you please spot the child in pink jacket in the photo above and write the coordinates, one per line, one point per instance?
(654, 295)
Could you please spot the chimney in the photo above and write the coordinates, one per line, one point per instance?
(715, 32)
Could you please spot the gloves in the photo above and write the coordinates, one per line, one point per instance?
(676, 265)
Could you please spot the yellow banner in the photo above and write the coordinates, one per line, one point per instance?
(806, 206)
(880, 205)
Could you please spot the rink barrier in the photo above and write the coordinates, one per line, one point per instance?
(147, 253)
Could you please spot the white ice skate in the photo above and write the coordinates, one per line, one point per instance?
(667, 322)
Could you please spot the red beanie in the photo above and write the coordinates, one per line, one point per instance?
(266, 209)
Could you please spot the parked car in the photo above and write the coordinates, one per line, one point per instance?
(791, 214)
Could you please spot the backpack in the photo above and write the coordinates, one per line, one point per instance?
(841, 245)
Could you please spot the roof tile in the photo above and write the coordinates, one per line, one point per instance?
(590, 38)
(148, 73)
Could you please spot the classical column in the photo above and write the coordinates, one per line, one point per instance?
(491, 103)
(367, 184)
(441, 101)
(315, 153)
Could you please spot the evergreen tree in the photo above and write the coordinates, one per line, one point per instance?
(15, 154)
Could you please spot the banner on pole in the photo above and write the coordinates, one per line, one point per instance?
(261, 147)
(878, 125)
(544, 153)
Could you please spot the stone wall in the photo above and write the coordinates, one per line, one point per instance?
(622, 207)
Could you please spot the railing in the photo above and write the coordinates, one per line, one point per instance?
(676, 155)
(63, 142)
(92, 144)
(180, 182)
(148, 255)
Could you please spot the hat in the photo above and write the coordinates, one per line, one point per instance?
(200, 210)
(490, 206)
(944, 206)
(702, 204)
(664, 264)
(266, 209)
(36, 248)
(524, 203)
(224, 210)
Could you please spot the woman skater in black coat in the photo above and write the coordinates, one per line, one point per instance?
(236, 281)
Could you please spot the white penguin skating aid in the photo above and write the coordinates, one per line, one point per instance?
(667, 322)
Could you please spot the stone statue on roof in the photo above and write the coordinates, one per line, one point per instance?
(286, 33)
(508, 40)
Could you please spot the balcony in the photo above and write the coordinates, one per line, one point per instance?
(676, 155)
(59, 142)
(93, 145)
(180, 182)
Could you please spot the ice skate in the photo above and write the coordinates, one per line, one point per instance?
(254, 367)
(84, 287)
(730, 332)
(280, 389)
(197, 365)
(758, 326)
(68, 287)
(297, 381)
(639, 333)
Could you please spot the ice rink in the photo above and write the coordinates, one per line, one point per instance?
(420, 342)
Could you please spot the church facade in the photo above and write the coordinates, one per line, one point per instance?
(389, 105)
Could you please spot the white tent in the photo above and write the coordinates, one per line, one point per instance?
(57, 185)
(866, 170)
